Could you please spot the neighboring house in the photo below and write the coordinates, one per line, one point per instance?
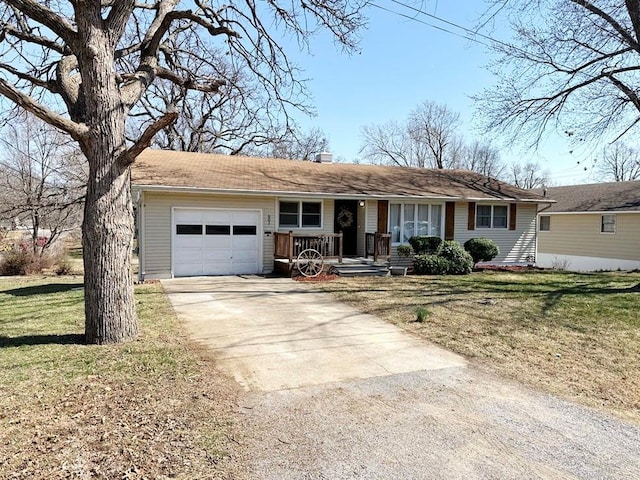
(208, 214)
(591, 227)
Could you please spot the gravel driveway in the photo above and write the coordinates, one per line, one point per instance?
(448, 420)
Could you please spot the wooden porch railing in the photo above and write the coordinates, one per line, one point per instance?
(289, 245)
(378, 245)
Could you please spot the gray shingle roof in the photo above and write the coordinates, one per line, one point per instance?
(597, 197)
(268, 175)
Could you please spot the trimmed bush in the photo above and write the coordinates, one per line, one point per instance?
(481, 249)
(430, 265)
(425, 245)
(405, 250)
(460, 262)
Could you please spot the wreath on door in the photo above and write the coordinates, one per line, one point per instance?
(345, 218)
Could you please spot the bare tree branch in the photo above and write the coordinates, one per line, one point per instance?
(572, 66)
(47, 17)
(147, 137)
(77, 131)
(47, 84)
(8, 29)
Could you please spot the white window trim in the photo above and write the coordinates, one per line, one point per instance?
(300, 202)
(540, 223)
(615, 223)
(506, 227)
(402, 221)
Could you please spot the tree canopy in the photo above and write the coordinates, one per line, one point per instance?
(86, 68)
(572, 66)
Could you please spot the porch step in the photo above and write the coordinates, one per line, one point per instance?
(362, 270)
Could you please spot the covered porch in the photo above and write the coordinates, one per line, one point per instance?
(289, 245)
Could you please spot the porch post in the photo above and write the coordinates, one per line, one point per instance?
(376, 240)
(290, 247)
(340, 247)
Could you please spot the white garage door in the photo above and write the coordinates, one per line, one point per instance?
(216, 242)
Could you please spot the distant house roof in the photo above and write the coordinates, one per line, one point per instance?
(181, 170)
(597, 197)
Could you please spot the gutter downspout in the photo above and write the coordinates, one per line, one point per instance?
(139, 200)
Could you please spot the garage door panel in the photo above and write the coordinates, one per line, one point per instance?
(244, 255)
(249, 218)
(188, 269)
(216, 242)
(191, 255)
(218, 268)
(219, 255)
(244, 243)
(187, 216)
(218, 217)
(189, 241)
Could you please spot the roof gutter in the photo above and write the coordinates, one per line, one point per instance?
(355, 196)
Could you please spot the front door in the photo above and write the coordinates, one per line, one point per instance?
(346, 221)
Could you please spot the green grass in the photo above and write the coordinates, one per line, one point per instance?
(152, 404)
(575, 335)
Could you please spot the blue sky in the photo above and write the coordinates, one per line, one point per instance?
(402, 63)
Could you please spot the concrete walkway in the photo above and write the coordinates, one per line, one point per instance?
(335, 394)
(274, 333)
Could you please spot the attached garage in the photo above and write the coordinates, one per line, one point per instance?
(216, 242)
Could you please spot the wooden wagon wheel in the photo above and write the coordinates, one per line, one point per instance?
(310, 263)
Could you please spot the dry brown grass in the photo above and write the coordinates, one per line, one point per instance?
(573, 335)
(153, 408)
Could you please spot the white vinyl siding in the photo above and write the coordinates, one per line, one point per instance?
(516, 246)
(372, 216)
(157, 231)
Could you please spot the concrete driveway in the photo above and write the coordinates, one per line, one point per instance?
(334, 394)
(275, 334)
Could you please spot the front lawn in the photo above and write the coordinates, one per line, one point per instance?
(574, 335)
(147, 409)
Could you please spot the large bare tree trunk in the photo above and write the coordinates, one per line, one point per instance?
(107, 229)
(107, 233)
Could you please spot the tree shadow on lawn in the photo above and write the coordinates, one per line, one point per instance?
(553, 298)
(43, 289)
(30, 340)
